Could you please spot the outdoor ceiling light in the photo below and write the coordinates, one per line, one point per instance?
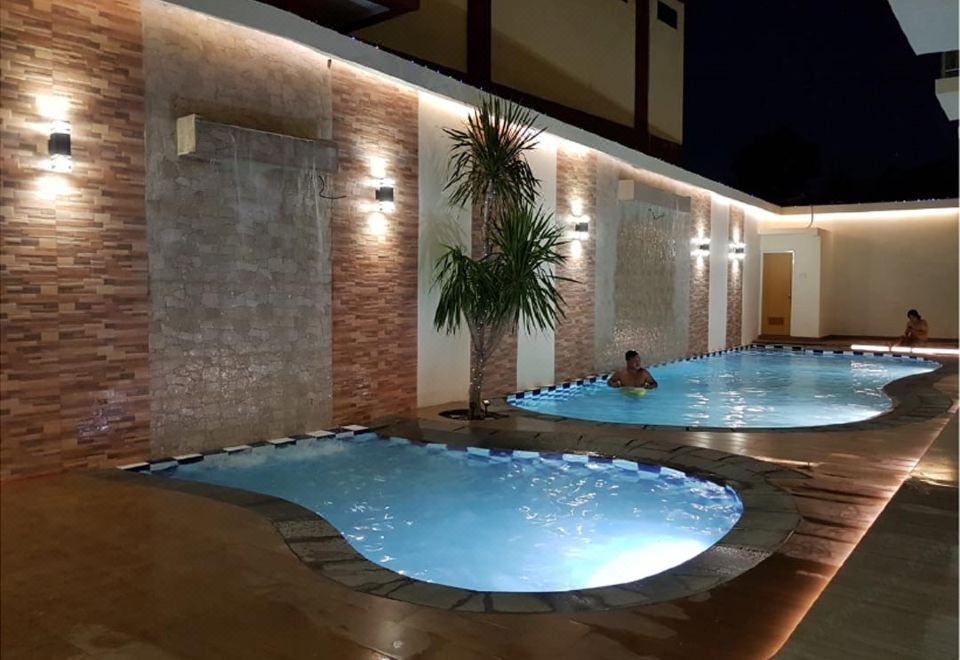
(738, 251)
(58, 146)
(384, 196)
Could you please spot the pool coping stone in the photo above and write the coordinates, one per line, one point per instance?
(769, 518)
(908, 405)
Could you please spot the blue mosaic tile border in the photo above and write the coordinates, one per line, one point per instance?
(649, 470)
(167, 463)
(515, 396)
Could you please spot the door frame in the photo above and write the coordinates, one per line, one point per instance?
(793, 275)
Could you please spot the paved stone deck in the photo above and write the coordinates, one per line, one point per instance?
(96, 567)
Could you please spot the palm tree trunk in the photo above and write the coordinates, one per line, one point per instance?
(477, 366)
(486, 221)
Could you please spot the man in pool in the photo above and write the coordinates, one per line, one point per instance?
(633, 375)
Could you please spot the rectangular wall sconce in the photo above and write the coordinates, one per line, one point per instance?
(384, 196)
(738, 251)
(58, 146)
(581, 227)
(701, 247)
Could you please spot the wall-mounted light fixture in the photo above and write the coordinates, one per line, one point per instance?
(58, 146)
(701, 247)
(384, 196)
(738, 251)
(581, 227)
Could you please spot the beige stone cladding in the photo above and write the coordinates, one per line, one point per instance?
(735, 281)
(73, 271)
(375, 266)
(576, 196)
(240, 238)
(699, 325)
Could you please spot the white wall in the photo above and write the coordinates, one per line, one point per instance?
(719, 250)
(750, 321)
(878, 264)
(445, 376)
(805, 306)
(535, 352)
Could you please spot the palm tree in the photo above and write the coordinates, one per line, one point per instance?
(488, 162)
(512, 281)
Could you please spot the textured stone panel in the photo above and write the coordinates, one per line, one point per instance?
(209, 140)
(240, 265)
(73, 297)
(576, 186)
(375, 269)
(735, 281)
(651, 283)
(699, 327)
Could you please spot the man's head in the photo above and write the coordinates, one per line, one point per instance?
(913, 315)
(633, 359)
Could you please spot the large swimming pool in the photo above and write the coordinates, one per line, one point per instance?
(742, 389)
(506, 521)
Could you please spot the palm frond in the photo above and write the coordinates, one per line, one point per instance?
(488, 157)
(516, 283)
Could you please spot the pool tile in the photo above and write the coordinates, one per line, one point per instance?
(236, 449)
(188, 458)
(134, 467)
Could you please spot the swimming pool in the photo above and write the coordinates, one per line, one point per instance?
(741, 389)
(488, 520)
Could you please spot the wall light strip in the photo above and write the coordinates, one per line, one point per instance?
(905, 349)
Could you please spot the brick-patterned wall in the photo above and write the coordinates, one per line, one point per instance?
(576, 186)
(73, 297)
(374, 276)
(735, 281)
(699, 276)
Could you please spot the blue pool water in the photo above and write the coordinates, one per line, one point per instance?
(520, 523)
(743, 389)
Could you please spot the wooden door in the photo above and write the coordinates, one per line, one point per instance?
(777, 293)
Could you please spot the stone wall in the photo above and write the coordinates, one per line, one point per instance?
(375, 266)
(735, 281)
(699, 328)
(576, 195)
(73, 299)
(240, 273)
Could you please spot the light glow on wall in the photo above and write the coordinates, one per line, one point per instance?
(53, 107)
(449, 105)
(377, 225)
(848, 216)
(378, 169)
(52, 185)
(916, 350)
(576, 248)
(701, 248)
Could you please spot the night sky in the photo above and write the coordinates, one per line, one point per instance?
(833, 86)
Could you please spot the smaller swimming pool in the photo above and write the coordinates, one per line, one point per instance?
(742, 389)
(488, 520)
